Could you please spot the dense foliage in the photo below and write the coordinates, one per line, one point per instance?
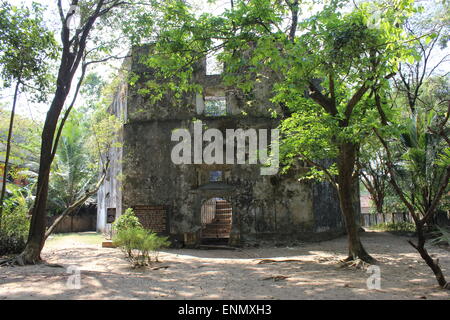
(16, 222)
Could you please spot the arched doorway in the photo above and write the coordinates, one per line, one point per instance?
(216, 219)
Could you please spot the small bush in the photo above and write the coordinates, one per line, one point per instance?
(126, 221)
(11, 244)
(140, 246)
(127, 239)
(396, 226)
(15, 225)
(441, 236)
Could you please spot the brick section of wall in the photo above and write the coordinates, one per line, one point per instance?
(152, 217)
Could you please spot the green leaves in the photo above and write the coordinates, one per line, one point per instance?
(104, 134)
(303, 137)
(140, 245)
(324, 76)
(128, 220)
(72, 172)
(422, 158)
(26, 48)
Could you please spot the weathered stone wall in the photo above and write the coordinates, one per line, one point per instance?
(264, 207)
(261, 204)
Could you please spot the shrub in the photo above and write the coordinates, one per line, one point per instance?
(126, 221)
(396, 226)
(441, 236)
(15, 221)
(15, 225)
(140, 245)
(127, 239)
(11, 244)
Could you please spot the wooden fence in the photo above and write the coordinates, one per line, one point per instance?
(85, 219)
(371, 219)
(77, 223)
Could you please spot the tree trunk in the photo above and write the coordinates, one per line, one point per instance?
(379, 204)
(346, 183)
(433, 264)
(73, 53)
(8, 151)
(36, 237)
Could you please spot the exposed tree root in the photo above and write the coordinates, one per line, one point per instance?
(11, 262)
(54, 265)
(276, 278)
(19, 261)
(263, 261)
(4, 262)
(354, 263)
(366, 258)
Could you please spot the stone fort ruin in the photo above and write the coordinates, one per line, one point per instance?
(199, 203)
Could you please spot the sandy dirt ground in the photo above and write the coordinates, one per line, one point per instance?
(310, 272)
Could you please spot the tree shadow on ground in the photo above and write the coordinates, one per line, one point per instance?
(309, 271)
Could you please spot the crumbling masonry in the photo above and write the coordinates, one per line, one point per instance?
(195, 203)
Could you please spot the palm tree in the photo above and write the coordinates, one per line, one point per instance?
(73, 171)
(419, 169)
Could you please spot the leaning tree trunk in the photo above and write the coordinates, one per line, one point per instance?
(433, 264)
(346, 191)
(36, 237)
(73, 52)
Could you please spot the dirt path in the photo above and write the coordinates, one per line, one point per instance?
(311, 270)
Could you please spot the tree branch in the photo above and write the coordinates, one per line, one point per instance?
(322, 100)
(294, 14)
(353, 102)
(393, 180)
(80, 201)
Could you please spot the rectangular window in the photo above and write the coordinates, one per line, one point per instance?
(110, 215)
(213, 65)
(215, 106)
(215, 176)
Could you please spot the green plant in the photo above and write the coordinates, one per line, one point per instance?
(127, 240)
(141, 246)
(396, 226)
(27, 48)
(126, 221)
(154, 244)
(15, 223)
(441, 236)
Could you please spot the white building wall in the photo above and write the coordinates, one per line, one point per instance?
(110, 193)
